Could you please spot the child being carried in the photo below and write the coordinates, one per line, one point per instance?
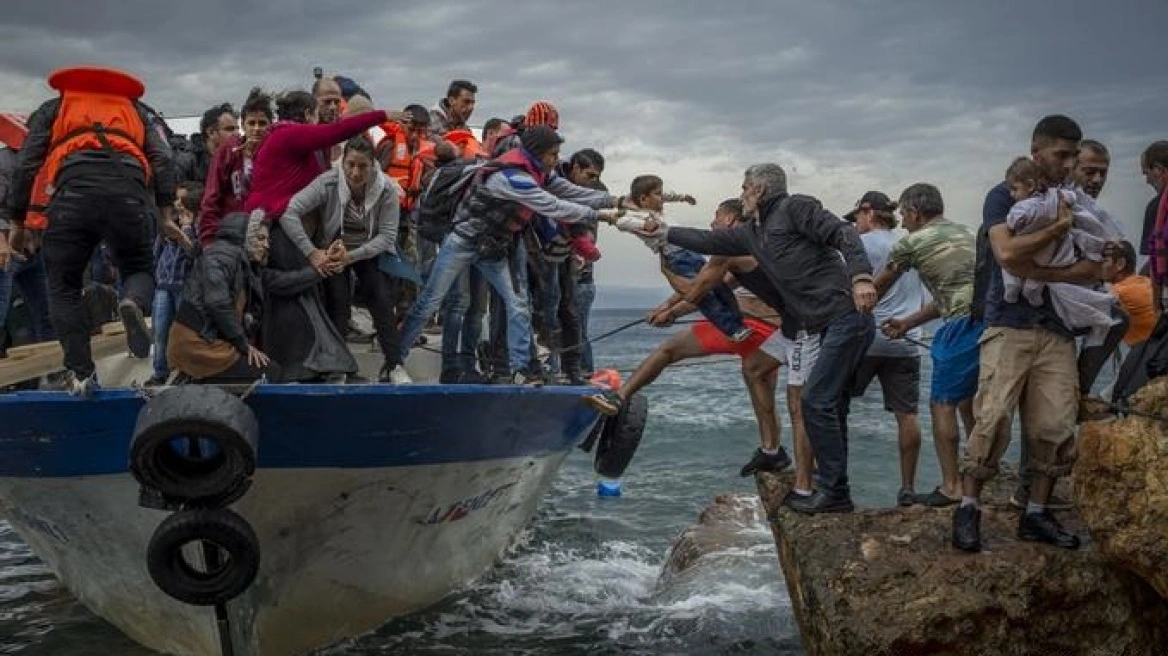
(1037, 207)
(648, 199)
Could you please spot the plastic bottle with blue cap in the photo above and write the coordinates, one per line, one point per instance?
(608, 487)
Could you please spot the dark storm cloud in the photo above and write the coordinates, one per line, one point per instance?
(847, 95)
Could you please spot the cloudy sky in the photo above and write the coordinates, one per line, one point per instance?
(847, 96)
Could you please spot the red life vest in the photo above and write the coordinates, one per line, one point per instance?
(517, 158)
(97, 112)
(466, 143)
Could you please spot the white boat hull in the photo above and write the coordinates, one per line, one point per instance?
(342, 550)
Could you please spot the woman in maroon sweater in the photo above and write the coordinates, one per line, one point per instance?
(229, 176)
(290, 157)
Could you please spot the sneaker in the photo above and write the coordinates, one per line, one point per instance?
(1043, 527)
(742, 334)
(1021, 497)
(396, 376)
(356, 335)
(938, 499)
(606, 403)
(763, 462)
(967, 528)
(906, 497)
(69, 382)
(527, 379)
(157, 380)
(138, 337)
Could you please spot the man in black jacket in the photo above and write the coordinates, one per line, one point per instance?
(799, 244)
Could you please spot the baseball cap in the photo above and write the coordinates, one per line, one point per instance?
(874, 200)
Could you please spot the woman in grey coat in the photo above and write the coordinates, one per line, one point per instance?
(358, 211)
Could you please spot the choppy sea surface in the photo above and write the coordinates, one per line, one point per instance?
(583, 579)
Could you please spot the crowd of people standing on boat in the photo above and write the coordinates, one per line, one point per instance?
(250, 244)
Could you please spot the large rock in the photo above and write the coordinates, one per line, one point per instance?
(1120, 484)
(724, 525)
(888, 582)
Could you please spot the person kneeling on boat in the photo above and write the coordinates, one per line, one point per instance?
(360, 209)
(504, 196)
(208, 341)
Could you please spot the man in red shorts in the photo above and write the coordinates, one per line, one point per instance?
(762, 352)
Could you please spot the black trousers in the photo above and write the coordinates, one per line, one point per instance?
(379, 292)
(79, 219)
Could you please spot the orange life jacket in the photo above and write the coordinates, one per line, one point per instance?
(401, 165)
(97, 112)
(468, 146)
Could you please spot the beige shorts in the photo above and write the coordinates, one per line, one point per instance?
(799, 354)
(1031, 371)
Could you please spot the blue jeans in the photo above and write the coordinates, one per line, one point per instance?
(29, 277)
(585, 296)
(479, 299)
(165, 305)
(826, 397)
(718, 305)
(453, 308)
(454, 259)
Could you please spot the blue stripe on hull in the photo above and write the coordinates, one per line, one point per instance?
(50, 434)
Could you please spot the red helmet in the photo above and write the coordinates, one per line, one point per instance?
(543, 113)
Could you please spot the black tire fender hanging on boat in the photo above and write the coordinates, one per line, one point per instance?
(620, 437)
(218, 455)
(219, 581)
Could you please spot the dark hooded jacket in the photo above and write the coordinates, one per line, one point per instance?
(219, 276)
(211, 298)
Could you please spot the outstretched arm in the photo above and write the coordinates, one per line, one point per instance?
(732, 241)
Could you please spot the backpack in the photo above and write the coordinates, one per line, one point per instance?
(441, 195)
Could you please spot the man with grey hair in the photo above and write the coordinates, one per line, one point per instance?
(798, 245)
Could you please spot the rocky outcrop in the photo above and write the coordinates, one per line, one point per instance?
(722, 526)
(888, 582)
(1120, 484)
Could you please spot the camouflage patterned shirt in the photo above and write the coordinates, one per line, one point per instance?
(943, 253)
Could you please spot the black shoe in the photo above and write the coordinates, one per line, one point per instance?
(819, 502)
(763, 462)
(1043, 527)
(472, 377)
(906, 497)
(937, 499)
(137, 334)
(967, 528)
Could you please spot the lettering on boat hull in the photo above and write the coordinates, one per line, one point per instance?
(463, 507)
